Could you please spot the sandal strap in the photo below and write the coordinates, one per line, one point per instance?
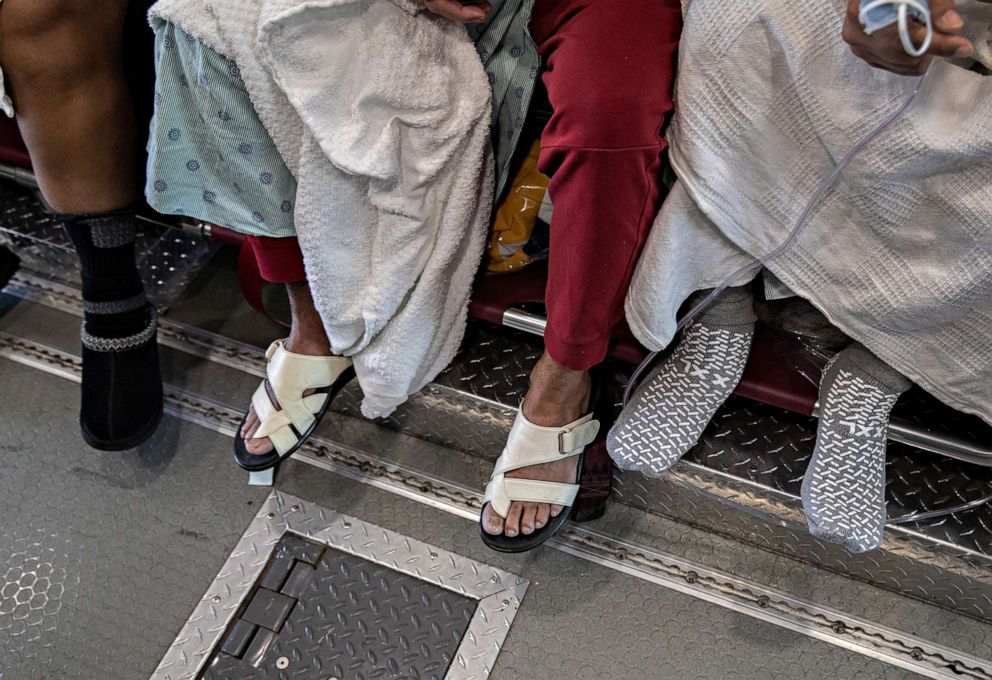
(530, 444)
(289, 375)
(534, 491)
(285, 367)
(274, 424)
(502, 490)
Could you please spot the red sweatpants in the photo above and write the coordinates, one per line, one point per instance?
(609, 67)
(280, 260)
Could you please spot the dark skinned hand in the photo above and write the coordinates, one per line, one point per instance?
(458, 11)
(883, 49)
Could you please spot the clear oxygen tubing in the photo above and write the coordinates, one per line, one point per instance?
(804, 218)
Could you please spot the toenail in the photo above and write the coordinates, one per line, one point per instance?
(511, 533)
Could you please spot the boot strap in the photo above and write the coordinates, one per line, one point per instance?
(115, 306)
(92, 342)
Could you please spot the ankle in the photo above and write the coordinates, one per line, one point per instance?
(308, 342)
(557, 395)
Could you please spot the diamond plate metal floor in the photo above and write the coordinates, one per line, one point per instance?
(96, 580)
(308, 592)
(342, 615)
(104, 556)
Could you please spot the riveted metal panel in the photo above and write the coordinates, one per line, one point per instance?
(486, 599)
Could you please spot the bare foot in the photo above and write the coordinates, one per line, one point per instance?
(262, 445)
(306, 336)
(557, 396)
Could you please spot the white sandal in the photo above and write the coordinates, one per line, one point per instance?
(288, 426)
(530, 444)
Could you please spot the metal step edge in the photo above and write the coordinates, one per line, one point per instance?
(927, 568)
(251, 359)
(886, 644)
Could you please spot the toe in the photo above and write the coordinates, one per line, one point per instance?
(251, 423)
(556, 510)
(492, 523)
(542, 517)
(528, 518)
(256, 447)
(512, 523)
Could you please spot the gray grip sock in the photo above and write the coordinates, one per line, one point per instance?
(844, 487)
(671, 408)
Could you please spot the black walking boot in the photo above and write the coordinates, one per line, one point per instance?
(122, 386)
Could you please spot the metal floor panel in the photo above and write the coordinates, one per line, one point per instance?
(354, 617)
(167, 259)
(135, 539)
(584, 620)
(931, 643)
(310, 593)
(828, 588)
(743, 481)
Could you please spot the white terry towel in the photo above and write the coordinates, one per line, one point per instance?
(898, 254)
(382, 114)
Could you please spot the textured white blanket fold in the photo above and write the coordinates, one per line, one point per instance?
(898, 254)
(382, 115)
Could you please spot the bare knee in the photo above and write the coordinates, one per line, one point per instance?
(59, 41)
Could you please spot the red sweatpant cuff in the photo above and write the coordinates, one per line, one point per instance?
(576, 356)
(280, 260)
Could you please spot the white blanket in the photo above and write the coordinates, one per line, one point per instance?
(382, 115)
(898, 254)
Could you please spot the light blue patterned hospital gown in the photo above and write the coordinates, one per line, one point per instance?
(210, 157)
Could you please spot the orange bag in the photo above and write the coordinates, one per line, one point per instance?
(520, 228)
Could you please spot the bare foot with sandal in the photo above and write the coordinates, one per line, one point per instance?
(302, 377)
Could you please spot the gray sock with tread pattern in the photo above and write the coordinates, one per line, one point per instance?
(843, 490)
(676, 401)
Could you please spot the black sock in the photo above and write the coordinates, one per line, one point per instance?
(113, 295)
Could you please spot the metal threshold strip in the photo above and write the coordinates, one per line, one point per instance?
(251, 359)
(723, 589)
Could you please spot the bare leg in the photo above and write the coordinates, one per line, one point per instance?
(306, 336)
(64, 68)
(557, 396)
